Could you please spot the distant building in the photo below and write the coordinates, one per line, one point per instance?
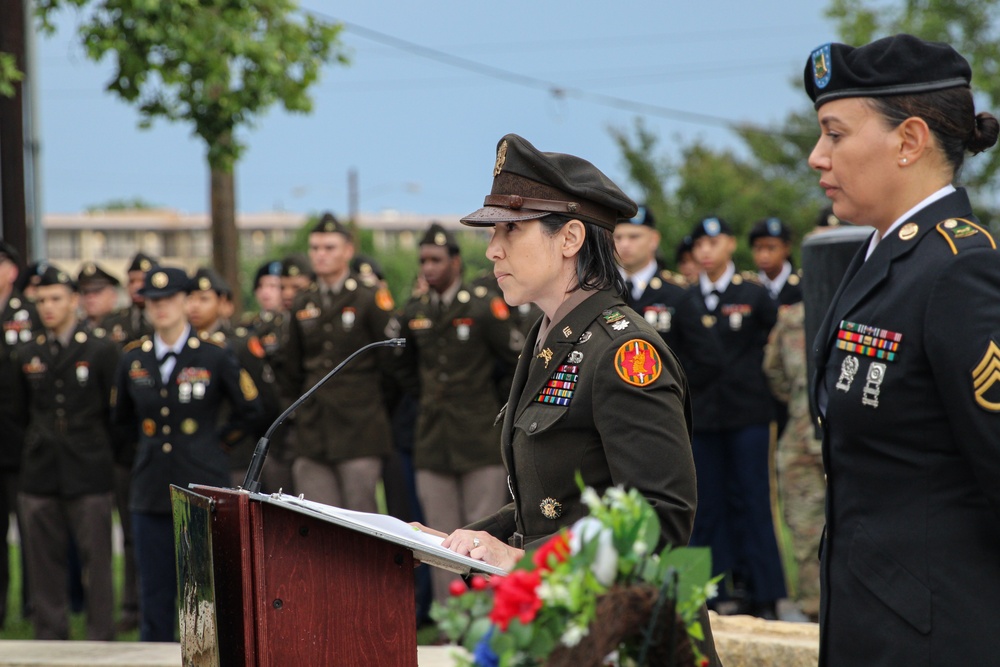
(184, 239)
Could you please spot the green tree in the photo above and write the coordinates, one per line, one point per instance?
(216, 65)
(9, 74)
(971, 26)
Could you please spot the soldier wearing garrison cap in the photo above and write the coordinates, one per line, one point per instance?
(67, 471)
(185, 401)
(99, 298)
(342, 431)
(906, 359)
(721, 328)
(596, 391)
(460, 355)
(650, 289)
(18, 320)
(771, 245)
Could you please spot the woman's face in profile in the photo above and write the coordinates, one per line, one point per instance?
(856, 156)
(526, 262)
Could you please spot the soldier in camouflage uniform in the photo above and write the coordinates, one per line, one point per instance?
(801, 484)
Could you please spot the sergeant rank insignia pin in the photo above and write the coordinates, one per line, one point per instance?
(551, 508)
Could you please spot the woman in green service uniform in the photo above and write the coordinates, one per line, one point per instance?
(907, 363)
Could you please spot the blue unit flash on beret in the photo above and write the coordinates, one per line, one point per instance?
(640, 216)
(774, 227)
(821, 66)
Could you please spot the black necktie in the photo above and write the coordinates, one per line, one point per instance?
(166, 355)
(629, 287)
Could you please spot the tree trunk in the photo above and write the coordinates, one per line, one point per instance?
(225, 241)
(12, 193)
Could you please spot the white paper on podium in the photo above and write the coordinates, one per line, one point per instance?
(425, 547)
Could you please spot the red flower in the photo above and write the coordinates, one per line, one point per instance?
(557, 548)
(457, 587)
(479, 583)
(515, 596)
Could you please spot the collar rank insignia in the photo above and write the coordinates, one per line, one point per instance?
(560, 387)
(985, 375)
(638, 363)
(868, 341)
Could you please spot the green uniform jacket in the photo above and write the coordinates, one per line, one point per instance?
(346, 418)
(460, 355)
(612, 402)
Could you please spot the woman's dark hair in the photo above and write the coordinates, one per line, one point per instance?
(596, 268)
(951, 116)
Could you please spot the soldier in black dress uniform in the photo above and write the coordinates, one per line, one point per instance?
(19, 322)
(67, 472)
(906, 363)
(771, 244)
(722, 327)
(99, 299)
(172, 387)
(650, 289)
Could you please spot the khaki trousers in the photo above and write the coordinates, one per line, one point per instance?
(349, 484)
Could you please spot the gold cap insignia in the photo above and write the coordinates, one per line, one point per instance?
(551, 508)
(908, 231)
(440, 239)
(159, 280)
(501, 158)
(90, 269)
(204, 284)
(145, 265)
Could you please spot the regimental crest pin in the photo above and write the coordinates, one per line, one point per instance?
(821, 66)
(984, 376)
(551, 508)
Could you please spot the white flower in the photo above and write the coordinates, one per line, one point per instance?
(605, 565)
(574, 633)
(550, 592)
(590, 498)
(640, 548)
(618, 497)
(711, 590)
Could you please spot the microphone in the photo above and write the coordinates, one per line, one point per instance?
(251, 482)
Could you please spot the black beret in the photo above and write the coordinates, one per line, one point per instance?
(142, 262)
(897, 65)
(92, 273)
(206, 279)
(643, 217)
(52, 275)
(164, 281)
(7, 251)
(328, 223)
(439, 236)
(296, 265)
(529, 184)
(366, 266)
(272, 268)
(710, 226)
(685, 246)
(770, 228)
(31, 274)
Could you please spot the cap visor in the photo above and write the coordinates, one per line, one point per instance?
(488, 216)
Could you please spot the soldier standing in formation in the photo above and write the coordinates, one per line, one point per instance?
(342, 432)
(457, 337)
(771, 244)
(99, 298)
(721, 327)
(171, 388)
(19, 323)
(136, 322)
(650, 290)
(67, 474)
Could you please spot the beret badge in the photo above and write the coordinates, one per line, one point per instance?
(821, 66)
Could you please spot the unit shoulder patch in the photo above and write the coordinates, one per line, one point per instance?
(962, 234)
(247, 385)
(638, 363)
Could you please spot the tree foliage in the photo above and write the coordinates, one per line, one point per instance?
(9, 74)
(214, 64)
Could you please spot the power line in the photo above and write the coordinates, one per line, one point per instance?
(556, 90)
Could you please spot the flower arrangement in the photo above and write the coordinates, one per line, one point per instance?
(594, 594)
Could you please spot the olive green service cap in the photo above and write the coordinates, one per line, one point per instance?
(529, 184)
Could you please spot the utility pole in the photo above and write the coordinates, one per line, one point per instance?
(12, 191)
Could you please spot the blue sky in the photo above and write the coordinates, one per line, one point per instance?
(420, 133)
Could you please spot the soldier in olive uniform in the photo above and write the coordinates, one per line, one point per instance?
(771, 244)
(99, 298)
(19, 324)
(296, 276)
(67, 471)
(650, 290)
(342, 431)
(172, 388)
(456, 335)
(134, 320)
(721, 329)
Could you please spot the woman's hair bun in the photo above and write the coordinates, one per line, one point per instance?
(985, 134)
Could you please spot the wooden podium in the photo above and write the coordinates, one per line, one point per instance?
(263, 585)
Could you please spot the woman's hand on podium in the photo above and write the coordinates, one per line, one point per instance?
(482, 546)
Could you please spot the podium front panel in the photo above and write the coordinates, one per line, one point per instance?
(327, 595)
